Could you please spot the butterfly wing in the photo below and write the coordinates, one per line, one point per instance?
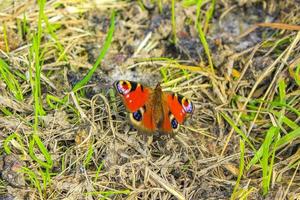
(175, 108)
(137, 100)
(133, 94)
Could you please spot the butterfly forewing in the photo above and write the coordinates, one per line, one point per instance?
(133, 94)
(179, 106)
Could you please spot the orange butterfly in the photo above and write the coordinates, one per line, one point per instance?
(152, 109)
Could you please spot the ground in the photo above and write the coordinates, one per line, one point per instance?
(64, 131)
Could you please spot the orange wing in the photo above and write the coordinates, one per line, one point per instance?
(179, 106)
(176, 108)
(142, 119)
(136, 99)
(133, 94)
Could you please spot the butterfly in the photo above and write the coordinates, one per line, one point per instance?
(152, 110)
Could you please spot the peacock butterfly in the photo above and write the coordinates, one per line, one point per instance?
(153, 110)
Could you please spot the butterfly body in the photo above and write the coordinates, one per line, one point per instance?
(153, 110)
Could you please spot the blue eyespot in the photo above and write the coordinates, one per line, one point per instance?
(174, 123)
(137, 115)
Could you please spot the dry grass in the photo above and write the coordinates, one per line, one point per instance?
(242, 142)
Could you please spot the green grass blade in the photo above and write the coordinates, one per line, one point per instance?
(206, 47)
(266, 168)
(238, 130)
(256, 158)
(46, 178)
(56, 102)
(99, 170)
(50, 99)
(36, 140)
(58, 44)
(101, 56)
(241, 170)
(160, 5)
(209, 14)
(273, 153)
(25, 28)
(89, 156)
(198, 12)
(11, 137)
(109, 193)
(278, 105)
(37, 80)
(35, 57)
(261, 151)
(141, 4)
(5, 37)
(291, 136)
(164, 74)
(286, 120)
(6, 142)
(63, 163)
(10, 81)
(188, 3)
(6, 111)
(282, 99)
(281, 88)
(198, 25)
(33, 179)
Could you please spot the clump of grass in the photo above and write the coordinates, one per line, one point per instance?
(10, 80)
(275, 137)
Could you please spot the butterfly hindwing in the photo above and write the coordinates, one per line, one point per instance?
(169, 123)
